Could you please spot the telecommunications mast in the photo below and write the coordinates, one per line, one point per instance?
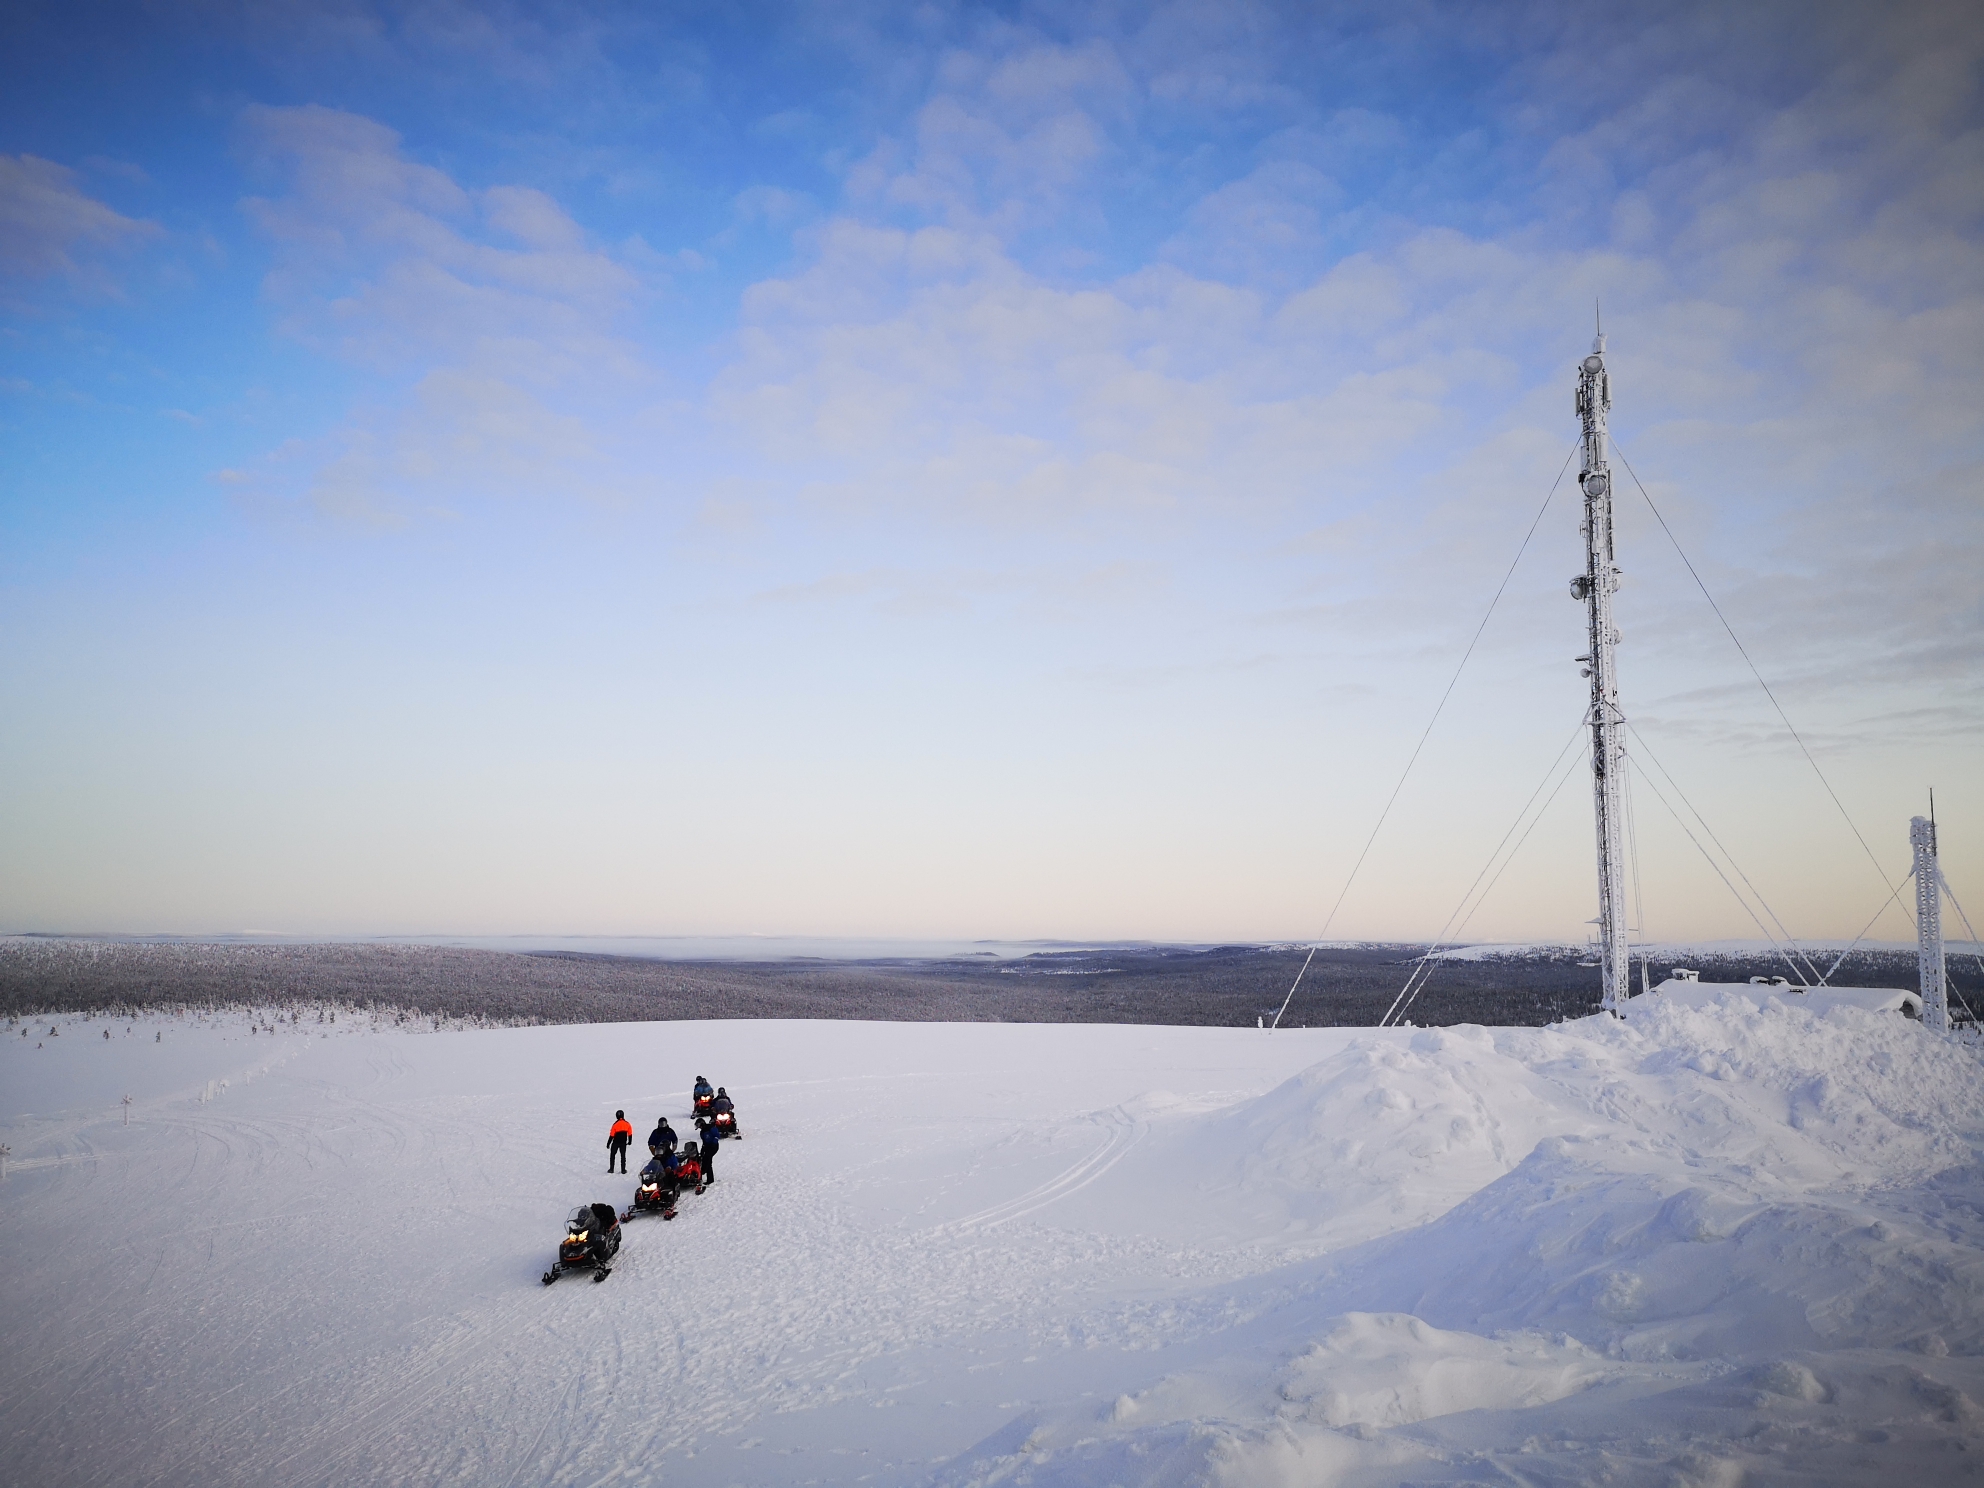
(1929, 924)
(1600, 663)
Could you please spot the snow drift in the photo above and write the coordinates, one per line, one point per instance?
(1781, 1203)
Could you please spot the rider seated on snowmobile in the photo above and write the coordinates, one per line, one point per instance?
(592, 1235)
(720, 1109)
(666, 1184)
(591, 1225)
(701, 1096)
(662, 1138)
(649, 1190)
(604, 1222)
(671, 1177)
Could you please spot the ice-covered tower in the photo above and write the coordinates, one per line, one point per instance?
(1929, 924)
(1595, 587)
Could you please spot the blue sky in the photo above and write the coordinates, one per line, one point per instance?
(950, 470)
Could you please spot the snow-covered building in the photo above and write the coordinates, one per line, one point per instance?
(1687, 988)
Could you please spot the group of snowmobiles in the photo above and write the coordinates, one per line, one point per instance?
(592, 1231)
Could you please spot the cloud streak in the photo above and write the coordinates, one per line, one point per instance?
(50, 227)
(499, 328)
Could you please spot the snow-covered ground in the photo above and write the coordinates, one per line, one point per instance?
(1694, 1247)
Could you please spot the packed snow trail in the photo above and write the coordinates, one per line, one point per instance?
(1688, 1246)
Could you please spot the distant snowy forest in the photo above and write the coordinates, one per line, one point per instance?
(1346, 986)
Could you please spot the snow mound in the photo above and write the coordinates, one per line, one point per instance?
(1612, 1204)
(1383, 1135)
(1389, 1369)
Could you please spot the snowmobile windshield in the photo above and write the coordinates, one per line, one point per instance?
(579, 1220)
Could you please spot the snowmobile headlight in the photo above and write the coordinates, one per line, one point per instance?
(580, 1234)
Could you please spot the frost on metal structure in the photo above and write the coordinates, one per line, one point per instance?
(1929, 925)
(1595, 587)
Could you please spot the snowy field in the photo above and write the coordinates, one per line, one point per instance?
(1689, 1248)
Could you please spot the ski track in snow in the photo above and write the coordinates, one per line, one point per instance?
(1121, 1132)
(1677, 1249)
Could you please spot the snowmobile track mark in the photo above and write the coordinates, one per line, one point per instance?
(1125, 1132)
(558, 1408)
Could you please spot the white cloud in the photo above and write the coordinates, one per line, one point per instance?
(1005, 139)
(501, 327)
(49, 225)
(389, 262)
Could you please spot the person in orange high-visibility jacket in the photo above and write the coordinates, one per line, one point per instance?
(617, 1139)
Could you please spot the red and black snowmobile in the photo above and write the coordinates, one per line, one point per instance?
(722, 1115)
(654, 1193)
(592, 1240)
(689, 1170)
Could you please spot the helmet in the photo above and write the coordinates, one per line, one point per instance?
(619, 1115)
(721, 1091)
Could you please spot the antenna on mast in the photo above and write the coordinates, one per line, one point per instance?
(1600, 663)
(1932, 971)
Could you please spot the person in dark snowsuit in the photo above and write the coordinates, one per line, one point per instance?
(712, 1139)
(662, 1138)
(665, 1170)
(603, 1220)
(618, 1139)
(723, 1105)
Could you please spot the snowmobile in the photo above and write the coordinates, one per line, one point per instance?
(700, 1108)
(690, 1173)
(724, 1123)
(653, 1194)
(592, 1238)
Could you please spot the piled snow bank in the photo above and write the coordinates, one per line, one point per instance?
(1397, 1127)
(1389, 1132)
(1390, 1369)
(1791, 1096)
(1639, 1206)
